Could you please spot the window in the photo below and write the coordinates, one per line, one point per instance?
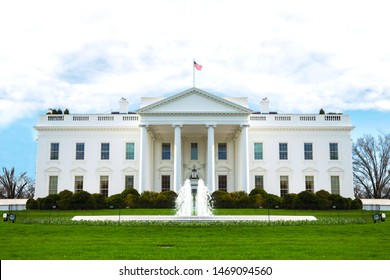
(222, 151)
(194, 151)
(309, 183)
(165, 183)
(222, 183)
(129, 182)
(54, 151)
(78, 183)
(105, 151)
(283, 152)
(283, 185)
(334, 184)
(259, 182)
(104, 185)
(308, 151)
(53, 184)
(258, 151)
(334, 151)
(130, 151)
(166, 151)
(79, 151)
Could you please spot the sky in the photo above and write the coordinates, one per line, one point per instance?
(86, 55)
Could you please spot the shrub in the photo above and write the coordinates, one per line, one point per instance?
(259, 191)
(131, 201)
(48, 202)
(32, 204)
(289, 201)
(221, 199)
(356, 204)
(273, 200)
(147, 199)
(126, 192)
(65, 201)
(166, 199)
(98, 201)
(306, 200)
(115, 200)
(240, 199)
(339, 201)
(81, 200)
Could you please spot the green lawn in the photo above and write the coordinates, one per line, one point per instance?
(362, 240)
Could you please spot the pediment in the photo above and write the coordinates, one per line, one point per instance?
(78, 170)
(335, 170)
(284, 170)
(309, 170)
(129, 169)
(104, 170)
(53, 169)
(259, 170)
(194, 101)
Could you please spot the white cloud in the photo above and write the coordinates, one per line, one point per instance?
(85, 55)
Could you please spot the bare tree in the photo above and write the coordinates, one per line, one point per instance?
(12, 186)
(371, 165)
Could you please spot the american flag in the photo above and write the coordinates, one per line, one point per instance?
(197, 66)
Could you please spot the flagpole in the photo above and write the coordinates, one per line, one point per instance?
(193, 72)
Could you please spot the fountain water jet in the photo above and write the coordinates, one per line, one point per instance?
(193, 203)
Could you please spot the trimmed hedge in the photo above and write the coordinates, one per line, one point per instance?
(257, 198)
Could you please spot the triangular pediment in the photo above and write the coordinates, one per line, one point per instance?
(194, 101)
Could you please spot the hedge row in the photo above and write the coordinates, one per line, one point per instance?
(66, 200)
(259, 198)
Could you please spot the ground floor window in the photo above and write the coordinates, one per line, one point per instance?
(78, 183)
(259, 182)
(335, 184)
(129, 182)
(222, 183)
(53, 184)
(165, 183)
(283, 186)
(104, 185)
(309, 183)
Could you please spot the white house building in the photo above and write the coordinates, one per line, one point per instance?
(170, 139)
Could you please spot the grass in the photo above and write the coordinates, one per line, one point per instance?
(344, 235)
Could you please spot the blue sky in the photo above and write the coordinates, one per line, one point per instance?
(86, 55)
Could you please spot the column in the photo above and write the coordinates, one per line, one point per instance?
(210, 158)
(143, 159)
(244, 158)
(177, 159)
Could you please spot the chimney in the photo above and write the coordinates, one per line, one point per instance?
(123, 106)
(264, 106)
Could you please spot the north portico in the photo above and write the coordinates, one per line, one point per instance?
(194, 130)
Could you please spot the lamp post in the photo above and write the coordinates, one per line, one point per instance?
(338, 212)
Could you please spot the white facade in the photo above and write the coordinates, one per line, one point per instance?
(228, 145)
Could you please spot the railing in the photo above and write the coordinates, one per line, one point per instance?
(77, 120)
(268, 119)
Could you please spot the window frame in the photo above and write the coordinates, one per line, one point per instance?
(194, 151)
(80, 153)
(53, 184)
(334, 153)
(165, 183)
(130, 151)
(104, 188)
(283, 154)
(77, 187)
(222, 183)
(55, 151)
(166, 151)
(222, 151)
(105, 154)
(284, 185)
(258, 152)
(308, 154)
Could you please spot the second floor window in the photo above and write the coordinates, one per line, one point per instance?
(283, 152)
(334, 151)
(54, 151)
(194, 151)
(129, 151)
(258, 151)
(105, 151)
(79, 151)
(166, 151)
(222, 151)
(308, 151)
